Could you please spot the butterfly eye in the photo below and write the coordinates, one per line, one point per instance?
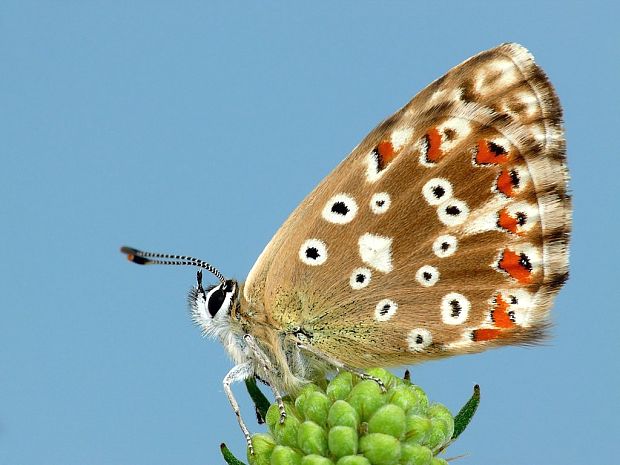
(380, 202)
(220, 297)
(444, 246)
(454, 308)
(360, 278)
(419, 339)
(340, 209)
(453, 213)
(313, 252)
(427, 275)
(385, 310)
(215, 300)
(437, 191)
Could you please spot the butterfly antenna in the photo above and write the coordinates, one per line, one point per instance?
(151, 258)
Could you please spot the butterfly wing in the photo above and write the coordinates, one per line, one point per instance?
(445, 231)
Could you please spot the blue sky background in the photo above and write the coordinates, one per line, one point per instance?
(196, 127)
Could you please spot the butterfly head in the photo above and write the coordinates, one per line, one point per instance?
(213, 307)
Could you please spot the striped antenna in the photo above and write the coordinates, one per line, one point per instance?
(152, 258)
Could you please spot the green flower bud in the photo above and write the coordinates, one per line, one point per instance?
(441, 412)
(263, 447)
(311, 438)
(340, 386)
(342, 440)
(389, 380)
(417, 429)
(342, 413)
(316, 407)
(286, 433)
(408, 398)
(415, 454)
(273, 415)
(352, 422)
(438, 461)
(438, 436)
(283, 455)
(366, 397)
(389, 419)
(353, 460)
(380, 449)
(421, 403)
(314, 459)
(301, 398)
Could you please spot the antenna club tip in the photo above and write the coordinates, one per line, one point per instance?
(128, 250)
(133, 255)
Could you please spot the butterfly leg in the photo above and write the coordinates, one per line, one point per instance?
(341, 366)
(239, 373)
(268, 369)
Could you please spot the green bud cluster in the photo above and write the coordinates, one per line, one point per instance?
(352, 422)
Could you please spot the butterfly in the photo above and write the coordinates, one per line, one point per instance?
(444, 232)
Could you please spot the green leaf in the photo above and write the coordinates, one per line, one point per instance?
(465, 415)
(260, 401)
(229, 457)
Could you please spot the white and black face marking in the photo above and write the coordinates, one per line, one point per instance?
(213, 305)
(219, 298)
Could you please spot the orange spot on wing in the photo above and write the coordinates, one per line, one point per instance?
(507, 222)
(433, 139)
(386, 152)
(500, 313)
(486, 334)
(490, 153)
(504, 183)
(512, 264)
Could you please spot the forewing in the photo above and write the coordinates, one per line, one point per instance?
(445, 231)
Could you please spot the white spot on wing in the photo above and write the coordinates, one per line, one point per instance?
(360, 278)
(313, 252)
(529, 211)
(399, 138)
(453, 212)
(427, 275)
(423, 147)
(419, 339)
(507, 71)
(437, 190)
(530, 102)
(454, 308)
(460, 126)
(521, 304)
(340, 209)
(372, 167)
(380, 202)
(484, 218)
(385, 310)
(376, 251)
(445, 245)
